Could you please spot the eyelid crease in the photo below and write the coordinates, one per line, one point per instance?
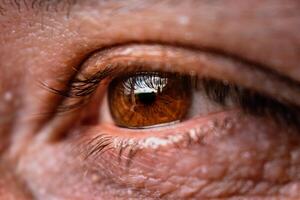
(115, 61)
(37, 5)
(109, 62)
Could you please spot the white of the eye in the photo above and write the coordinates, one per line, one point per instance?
(202, 105)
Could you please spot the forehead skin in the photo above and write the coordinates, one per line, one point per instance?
(40, 40)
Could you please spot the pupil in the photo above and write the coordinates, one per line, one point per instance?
(147, 98)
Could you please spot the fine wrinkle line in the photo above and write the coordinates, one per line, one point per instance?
(37, 5)
(248, 66)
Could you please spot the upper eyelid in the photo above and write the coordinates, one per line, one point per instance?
(105, 63)
(97, 62)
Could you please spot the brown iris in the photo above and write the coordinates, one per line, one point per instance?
(149, 98)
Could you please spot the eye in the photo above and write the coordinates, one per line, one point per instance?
(138, 88)
(152, 85)
(146, 99)
(136, 115)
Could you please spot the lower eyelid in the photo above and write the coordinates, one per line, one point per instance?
(227, 139)
(196, 130)
(146, 53)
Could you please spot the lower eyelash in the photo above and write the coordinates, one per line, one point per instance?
(101, 143)
(127, 148)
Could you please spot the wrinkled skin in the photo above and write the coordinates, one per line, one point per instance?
(256, 159)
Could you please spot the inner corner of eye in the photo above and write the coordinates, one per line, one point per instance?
(148, 99)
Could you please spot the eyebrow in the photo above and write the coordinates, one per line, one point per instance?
(38, 5)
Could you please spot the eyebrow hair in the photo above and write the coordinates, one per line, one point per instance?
(38, 5)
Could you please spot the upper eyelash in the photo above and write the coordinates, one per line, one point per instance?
(103, 142)
(87, 85)
(218, 91)
(252, 102)
(79, 88)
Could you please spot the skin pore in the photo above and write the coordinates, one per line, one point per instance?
(47, 42)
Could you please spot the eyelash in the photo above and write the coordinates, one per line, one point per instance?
(220, 92)
(83, 87)
(127, 149)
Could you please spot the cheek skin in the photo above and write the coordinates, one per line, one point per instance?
(254, 158)
(10, 186)
(249, 162)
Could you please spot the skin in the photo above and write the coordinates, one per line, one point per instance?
(253, 159)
